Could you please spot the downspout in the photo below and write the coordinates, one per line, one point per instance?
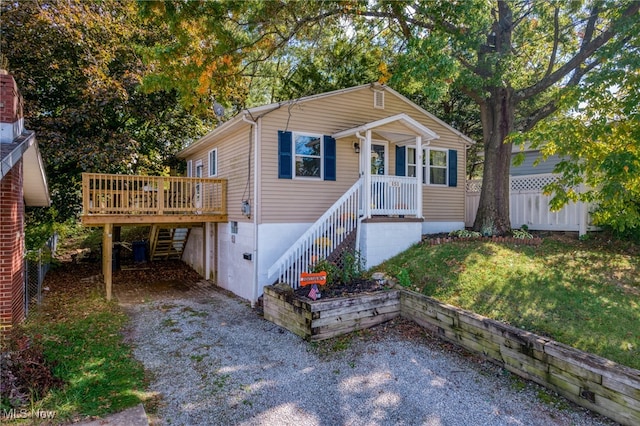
(256, 168)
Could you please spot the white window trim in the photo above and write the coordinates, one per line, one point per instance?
(427, 160)
(407, 164)
(424, 168)
(295, 155)
(198, 164)
(214, 150)
(189, 168)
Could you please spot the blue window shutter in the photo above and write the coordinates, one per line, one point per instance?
(285, 162)
(329, 158)
(453, 167)
(401, 160)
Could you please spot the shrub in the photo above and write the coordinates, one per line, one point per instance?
(465, 233)
(349, 267)
(332, 270)
(521, 234)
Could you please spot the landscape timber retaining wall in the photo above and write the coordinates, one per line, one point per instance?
(596, 383)
(326, 318)
(603, 386)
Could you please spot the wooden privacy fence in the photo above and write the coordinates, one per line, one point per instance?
(529, 206)
(108, 194)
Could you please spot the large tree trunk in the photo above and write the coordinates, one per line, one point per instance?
(497, 114)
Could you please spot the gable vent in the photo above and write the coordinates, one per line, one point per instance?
(378, 99)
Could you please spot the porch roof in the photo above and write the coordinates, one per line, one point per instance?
(393, 133)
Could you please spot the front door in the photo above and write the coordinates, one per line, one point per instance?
(379, 167)
(379, 158)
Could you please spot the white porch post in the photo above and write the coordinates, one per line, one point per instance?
(366, 158)
(419, 176)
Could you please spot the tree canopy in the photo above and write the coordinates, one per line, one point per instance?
(120, 86)
(515, 59)
(596, 131)
(79, 69)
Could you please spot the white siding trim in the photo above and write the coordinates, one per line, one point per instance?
(213, 163)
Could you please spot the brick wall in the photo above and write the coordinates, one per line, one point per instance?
(11, 100)
(11, 248)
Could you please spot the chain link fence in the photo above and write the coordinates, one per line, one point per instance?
(36, 266)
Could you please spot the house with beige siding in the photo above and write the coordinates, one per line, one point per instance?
(361, 167)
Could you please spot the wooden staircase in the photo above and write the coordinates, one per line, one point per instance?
(167, 242)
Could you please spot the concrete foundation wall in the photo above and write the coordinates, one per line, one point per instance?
(192, 254)
(439, 227)
(380, 241)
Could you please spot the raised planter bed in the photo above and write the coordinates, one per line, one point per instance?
(588, 380)
(326, 318)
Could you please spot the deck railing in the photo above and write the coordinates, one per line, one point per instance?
(108, 194)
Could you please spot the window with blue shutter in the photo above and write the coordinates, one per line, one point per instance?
(401, 160)
(306, 155)
(285, 162)
(453, 167)
(329, 158)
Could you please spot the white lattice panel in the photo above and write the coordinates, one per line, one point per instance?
(474, 185)
(529, 206)
(531, 182)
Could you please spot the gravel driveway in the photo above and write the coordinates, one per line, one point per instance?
(216, 362)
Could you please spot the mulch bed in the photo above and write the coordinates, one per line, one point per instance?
(342, 289)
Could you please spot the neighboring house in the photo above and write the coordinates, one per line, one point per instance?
(528, 205)
(361, 167)
(22, 183)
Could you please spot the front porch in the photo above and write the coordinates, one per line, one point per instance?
(385, 194)
(388, 195)
(110, 200)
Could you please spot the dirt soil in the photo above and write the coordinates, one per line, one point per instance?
(341, 290)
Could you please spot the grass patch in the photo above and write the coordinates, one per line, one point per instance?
(581, 293)
(82, 337)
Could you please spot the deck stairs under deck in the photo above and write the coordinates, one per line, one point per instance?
(167, 242)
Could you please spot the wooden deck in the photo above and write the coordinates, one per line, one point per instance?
(115, 200)
(135, 200)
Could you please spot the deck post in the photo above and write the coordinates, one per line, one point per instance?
(107, 255)
(206, 241)
(214, 277)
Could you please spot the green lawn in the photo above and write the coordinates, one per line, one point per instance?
(82, 336)
(584, 294)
